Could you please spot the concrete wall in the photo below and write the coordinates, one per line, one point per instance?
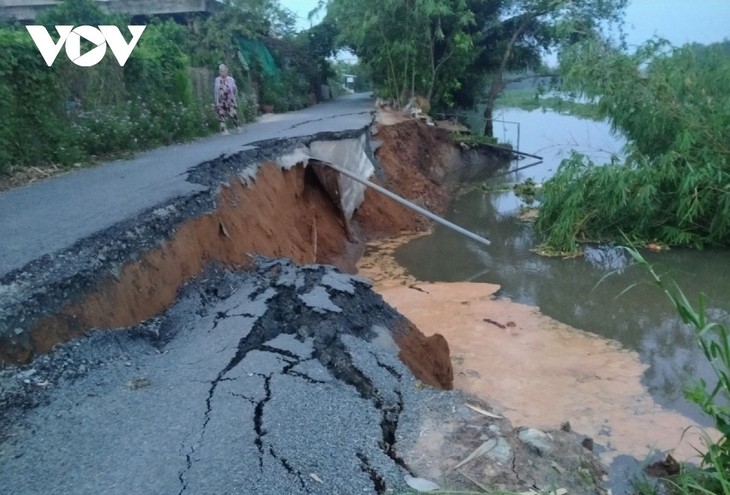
(28, 10)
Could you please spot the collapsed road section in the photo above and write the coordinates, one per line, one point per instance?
(260, 201)
(232, 373)
(267, 380)
(279, 379)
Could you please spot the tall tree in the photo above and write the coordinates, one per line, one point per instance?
(531, 26)
(410, 46)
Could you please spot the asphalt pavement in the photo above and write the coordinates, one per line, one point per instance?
(52, 215)
(272, 388)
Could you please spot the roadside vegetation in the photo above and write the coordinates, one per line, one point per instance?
(673, 189)
(65, 115)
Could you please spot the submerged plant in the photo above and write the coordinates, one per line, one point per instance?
(527, 191)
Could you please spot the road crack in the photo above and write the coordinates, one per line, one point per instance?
(379, 483)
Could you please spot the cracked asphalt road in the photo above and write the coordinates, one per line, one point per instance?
(279, 387)
(51, 215)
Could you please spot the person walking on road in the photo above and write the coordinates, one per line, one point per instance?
(225, 98)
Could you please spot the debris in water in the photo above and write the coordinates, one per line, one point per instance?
(496, 323)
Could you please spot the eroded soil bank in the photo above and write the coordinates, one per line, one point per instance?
(535, 370)
(254, 206)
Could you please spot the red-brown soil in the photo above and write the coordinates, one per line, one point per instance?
(416, 161)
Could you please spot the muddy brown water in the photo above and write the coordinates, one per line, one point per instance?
(577, 292)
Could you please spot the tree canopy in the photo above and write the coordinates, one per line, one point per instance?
(411, 46)
(452, 50)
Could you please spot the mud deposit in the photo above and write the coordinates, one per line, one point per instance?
(535, 370)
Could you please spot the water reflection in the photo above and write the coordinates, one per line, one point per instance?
(569, 290)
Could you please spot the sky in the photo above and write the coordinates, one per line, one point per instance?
(679, 21)
(301, 8)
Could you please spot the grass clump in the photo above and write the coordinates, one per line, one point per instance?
(473, 139)
(713, 476)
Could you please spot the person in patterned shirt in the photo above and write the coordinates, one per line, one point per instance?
(225, 98)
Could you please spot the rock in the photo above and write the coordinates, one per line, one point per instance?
(421, 485)
(663, 469)
(501, 453)
(538, 440)
(587, 443)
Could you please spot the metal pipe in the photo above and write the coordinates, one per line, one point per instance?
(407, 203)
(513, 151)
(518, 169)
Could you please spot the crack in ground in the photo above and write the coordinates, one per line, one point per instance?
(244, 397)
(285, 316)
(258, 419)
(222, 315)
(326, 118)
(288, 467)
(387, 367)
(378, 482)
(288, 369)
(532, 485)
(241, 353)
(281, 352)
(188, 465)
(339, 361)
(306, 378)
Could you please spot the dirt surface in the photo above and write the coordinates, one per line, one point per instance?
(536, 371)
(418, 162)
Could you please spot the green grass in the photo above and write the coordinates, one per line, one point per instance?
(473, 139)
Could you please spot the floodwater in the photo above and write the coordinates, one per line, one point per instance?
(586, 293)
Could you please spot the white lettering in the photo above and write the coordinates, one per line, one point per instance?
(73, 46)
(119, 46)
(100, 37)
(49, 50)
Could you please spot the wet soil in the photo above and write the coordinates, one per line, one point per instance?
(535, 370)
